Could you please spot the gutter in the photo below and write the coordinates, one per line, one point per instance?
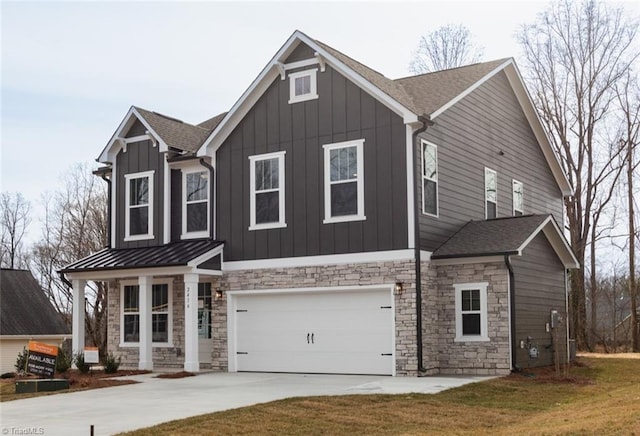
(103, 176)
(421, 369)
(512, 312)
(204, 163)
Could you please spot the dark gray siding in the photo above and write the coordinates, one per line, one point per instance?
(300, 53)
(470, 135)
(140, 156)
(539, 289)
(176, 205)
(342, 112)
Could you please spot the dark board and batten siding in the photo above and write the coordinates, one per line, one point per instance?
(342, 112)
(540, 288)
(470, 136)
(140, 156)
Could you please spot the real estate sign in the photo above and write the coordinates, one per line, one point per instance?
(42, 359)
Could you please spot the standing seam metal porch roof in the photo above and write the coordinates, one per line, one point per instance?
(173, 254)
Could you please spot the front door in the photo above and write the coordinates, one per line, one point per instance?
(205, 345)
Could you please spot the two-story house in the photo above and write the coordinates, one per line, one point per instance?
(337, 221)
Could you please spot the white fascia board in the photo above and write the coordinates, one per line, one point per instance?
(526, 103)
(60, 337)
(558, 242)
(332, 259)
(271, 71)
(130, 273)
(206, 256)
(109, 152)
(411, 229)
(467, 260)
(470, 89)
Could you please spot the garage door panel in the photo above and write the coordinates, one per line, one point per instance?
(316, 332)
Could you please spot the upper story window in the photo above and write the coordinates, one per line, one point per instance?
(139, 206)
(429, 178)
(518, 198)
(490, 193)
(195, 207)
(471, 312)
(266, 202)
(160, 314)
(344, 181)
(303, 86)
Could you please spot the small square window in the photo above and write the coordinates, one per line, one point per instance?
(302, 86)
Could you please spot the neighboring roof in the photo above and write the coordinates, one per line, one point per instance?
(212, 123)
(174, 254)
(505, 236)
(175, 133)
(25, 309)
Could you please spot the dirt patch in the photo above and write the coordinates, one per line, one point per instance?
(547, 374)
(610, 355)
(181, 374)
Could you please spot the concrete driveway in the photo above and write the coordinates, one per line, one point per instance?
(154, 400)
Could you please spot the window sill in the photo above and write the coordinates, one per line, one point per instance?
(138, 238)
(153, 344)
(267, 226)
(195, 235)
(471, 339)
(302, 98)
(430, 214)
(344, 219)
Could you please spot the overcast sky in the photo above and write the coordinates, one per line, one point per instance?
(71, 70)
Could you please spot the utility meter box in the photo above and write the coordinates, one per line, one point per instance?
(554, 319)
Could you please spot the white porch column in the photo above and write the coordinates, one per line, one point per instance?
(145, 361)
(77, 338)
(191, 358)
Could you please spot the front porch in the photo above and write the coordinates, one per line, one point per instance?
(160, 301)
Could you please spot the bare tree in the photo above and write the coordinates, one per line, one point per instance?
(448, 47)
(14, 219)
(74, 227)
(573, 56)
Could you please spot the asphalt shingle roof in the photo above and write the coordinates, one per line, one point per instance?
(175, 133)
(25, 309)
(491, 237)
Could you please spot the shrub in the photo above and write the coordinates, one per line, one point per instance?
(21, 361)
(111, 363)
(63, 362)
(8, 375)
(78, 359)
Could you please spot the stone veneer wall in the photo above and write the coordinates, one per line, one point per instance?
(472, 358)
(163, 357)
(330, 276)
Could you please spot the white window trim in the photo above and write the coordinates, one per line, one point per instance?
(168, 344)
(199, 233)
(486, 210)
(484, 333)
(252, 188)
(313, 93)
(360, 216)
(514, 182)
(423, 142)
(127, 216)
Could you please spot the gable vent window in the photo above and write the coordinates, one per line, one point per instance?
(344, 181)
(195, 218)
(490, 193)
(266, 202)
(429, 179)
(302, 86)
(139, 206)
(518, 198)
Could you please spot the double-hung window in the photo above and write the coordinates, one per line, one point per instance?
(195, 209)
(490, 193)
(344, 181)
(139, 206)
(266, 182)
(429, 178)
(160, 316)
(302, 86)
(471, 312)
(518, 198)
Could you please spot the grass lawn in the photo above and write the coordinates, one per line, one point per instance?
(600, 396)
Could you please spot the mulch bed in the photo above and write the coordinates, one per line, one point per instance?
(181, 374)
(547, 374)
(91, 380)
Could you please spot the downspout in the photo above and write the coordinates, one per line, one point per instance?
(103, 176)
(211, 214)
(512, 311)
(416, 217)
(65, 280)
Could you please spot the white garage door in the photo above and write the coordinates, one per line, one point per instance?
(343, 332)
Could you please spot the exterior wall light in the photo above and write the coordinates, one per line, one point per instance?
(218, 295)
(399, 288)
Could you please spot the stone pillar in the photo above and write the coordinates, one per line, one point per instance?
(145, 361)
(77, 339)
(191, 358)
